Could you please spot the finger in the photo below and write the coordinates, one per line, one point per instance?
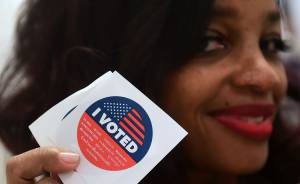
(35, 162)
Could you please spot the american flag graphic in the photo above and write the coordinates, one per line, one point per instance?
(128, 118)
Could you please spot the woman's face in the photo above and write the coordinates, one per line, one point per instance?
(227, 96)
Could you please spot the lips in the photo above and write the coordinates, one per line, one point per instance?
(253, 121)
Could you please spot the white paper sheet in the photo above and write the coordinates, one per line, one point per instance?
(119, 133)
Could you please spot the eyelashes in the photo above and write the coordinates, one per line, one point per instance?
(273, 45)
(214, 43)
(211, 44)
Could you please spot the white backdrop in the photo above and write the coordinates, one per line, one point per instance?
(8, 14)
(8, 10)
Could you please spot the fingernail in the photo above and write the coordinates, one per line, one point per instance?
(69, 158)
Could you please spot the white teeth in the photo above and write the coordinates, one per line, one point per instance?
(253, 119)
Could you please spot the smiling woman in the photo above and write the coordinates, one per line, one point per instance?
(232, 89)
(212, 65)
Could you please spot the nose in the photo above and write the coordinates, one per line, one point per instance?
(257, 74)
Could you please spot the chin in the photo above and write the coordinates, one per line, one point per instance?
(248, 169)
(250, 164)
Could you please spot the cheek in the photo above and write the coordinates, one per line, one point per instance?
(281, 87)
(188, 91)
(187, 96)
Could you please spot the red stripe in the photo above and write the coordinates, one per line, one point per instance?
(131, 133)
(136, 121)
(137, 114)
(112, 146)
(133, 127)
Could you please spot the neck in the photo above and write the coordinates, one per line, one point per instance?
(196, 177)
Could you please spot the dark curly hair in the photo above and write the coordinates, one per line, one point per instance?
(63, 45)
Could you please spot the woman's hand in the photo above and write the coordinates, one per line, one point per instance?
(24, 168)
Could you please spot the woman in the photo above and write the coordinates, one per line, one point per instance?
(212, 65)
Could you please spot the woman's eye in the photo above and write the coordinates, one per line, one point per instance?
(273, 45)
(212, 44)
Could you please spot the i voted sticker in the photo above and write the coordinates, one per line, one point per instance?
(114, 133)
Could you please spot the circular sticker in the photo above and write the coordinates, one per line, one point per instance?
(114, 133)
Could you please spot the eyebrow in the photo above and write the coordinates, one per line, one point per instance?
(224, 12)
(272, 17)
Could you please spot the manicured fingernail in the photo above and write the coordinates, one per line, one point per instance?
(69, 158)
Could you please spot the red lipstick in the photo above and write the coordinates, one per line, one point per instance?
(253, 120)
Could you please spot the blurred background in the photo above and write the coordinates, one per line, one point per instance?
(8, 9)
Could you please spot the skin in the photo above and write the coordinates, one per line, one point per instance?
(227, 73)
(233, 72)
(23, 168)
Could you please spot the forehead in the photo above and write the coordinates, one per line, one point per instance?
(247, 9)
(247, 4)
